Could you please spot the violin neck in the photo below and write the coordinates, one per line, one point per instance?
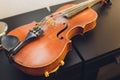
(79, 7)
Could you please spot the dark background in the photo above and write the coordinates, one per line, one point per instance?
(91, 53)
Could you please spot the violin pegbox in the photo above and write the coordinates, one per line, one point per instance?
(37, 31)
(107, 2)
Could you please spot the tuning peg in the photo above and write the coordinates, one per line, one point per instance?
(46, 74)
(62, 63)
(108, 2)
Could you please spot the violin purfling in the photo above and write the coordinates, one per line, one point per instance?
(46, 54)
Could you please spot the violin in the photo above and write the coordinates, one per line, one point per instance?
(45, 54)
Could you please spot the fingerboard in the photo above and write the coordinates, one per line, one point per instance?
(70, 12)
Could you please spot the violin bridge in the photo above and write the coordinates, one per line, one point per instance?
(50, 21)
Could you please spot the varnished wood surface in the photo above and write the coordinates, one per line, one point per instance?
(105, 34)
(44, 54)
(6, 68)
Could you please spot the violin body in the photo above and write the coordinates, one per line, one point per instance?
(46, 54)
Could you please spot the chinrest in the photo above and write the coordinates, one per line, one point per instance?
(9, 42)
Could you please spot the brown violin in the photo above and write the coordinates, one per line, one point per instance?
(46, 53)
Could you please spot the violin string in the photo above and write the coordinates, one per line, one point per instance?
(65, 11)
(77, 6)
(72, 10)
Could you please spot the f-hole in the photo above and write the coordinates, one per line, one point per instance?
(65, 27)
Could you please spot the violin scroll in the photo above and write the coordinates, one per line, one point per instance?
(107, 2)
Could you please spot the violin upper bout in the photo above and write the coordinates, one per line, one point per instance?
(89, 26)
(86, 19)
(65, 7)
(91, 23)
